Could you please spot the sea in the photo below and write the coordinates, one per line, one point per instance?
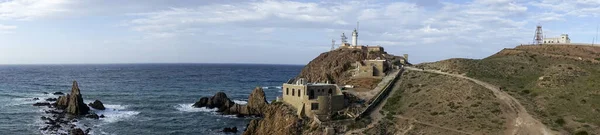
(141, 99)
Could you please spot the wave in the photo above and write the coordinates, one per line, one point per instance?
(22, 100)
(272, 87)
(241, 102)
(114, 113)
(190, 108)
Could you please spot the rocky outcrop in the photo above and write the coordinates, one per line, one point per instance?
(77, 131)
(334, 66)
(256, 104)
(278, 119)
(230, 130)
(97, 105)
(219, 101)
(257, 101)
(73, 103)
(41, 104)
(62, 102)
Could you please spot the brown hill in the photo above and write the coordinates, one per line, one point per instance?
(557, 84)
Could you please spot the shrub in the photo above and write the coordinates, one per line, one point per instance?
(581, 133)
(560, 121)
(526, 91)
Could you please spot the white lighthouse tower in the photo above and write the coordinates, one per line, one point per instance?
(355, 38)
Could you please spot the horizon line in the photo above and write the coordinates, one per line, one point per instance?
(24, 64)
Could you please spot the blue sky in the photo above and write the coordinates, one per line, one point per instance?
(276, 32)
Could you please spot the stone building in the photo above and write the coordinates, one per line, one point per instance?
(563, 39)
(371, 68)
(375, 49)
(313, 99)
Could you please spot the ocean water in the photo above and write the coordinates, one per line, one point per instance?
(140, 98)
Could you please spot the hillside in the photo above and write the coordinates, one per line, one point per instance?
(558, 84)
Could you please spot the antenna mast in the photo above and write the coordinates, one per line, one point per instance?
(538, 37)
(332, 44)
(596, 38)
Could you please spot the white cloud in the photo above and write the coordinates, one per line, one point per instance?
(577, 8)
(31, 9)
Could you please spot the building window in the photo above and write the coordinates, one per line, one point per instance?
(298, 92)
(293, 91)
(314, 106)
(330, 91)
(287, 91)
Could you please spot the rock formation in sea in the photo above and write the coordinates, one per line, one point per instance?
(73, 105)
(97, 105)
(256, 103)
(219, 101)
(73, 102)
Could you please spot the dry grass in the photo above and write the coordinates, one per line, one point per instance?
(560, 85)
(446, 102)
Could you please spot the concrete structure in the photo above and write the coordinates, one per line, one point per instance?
(371, 68)
(563, 39)
(318, 100)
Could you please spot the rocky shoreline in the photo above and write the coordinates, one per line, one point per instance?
(62, 115)
(274, 118)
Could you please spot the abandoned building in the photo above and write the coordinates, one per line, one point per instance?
(563, 39)
(318, 100)
(371, 68)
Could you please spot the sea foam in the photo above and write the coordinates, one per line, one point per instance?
(241, 102)
(114, 113)
(190, 108)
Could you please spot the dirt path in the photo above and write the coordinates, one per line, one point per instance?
(523, 123)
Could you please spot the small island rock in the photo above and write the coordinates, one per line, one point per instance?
(97, 105)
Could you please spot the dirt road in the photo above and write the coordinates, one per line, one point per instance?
(523, 122)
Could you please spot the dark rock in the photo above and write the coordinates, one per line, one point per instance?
(58, 93)
(102, 116)
(93, 116)
(75, 105)
(219, 100)
(87, 131)
(97, 105)
(63, 102)
(44, 128)
(201, 103)
(77, 131)
(41, 104)
(51, 99)
(45, 92)
(230, 130)
(36, 98)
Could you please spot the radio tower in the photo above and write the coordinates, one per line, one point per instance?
(332, 44)
(538, 37)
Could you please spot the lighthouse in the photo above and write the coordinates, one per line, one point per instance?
(355, 38)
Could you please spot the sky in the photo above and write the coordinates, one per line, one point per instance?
(276, 32)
